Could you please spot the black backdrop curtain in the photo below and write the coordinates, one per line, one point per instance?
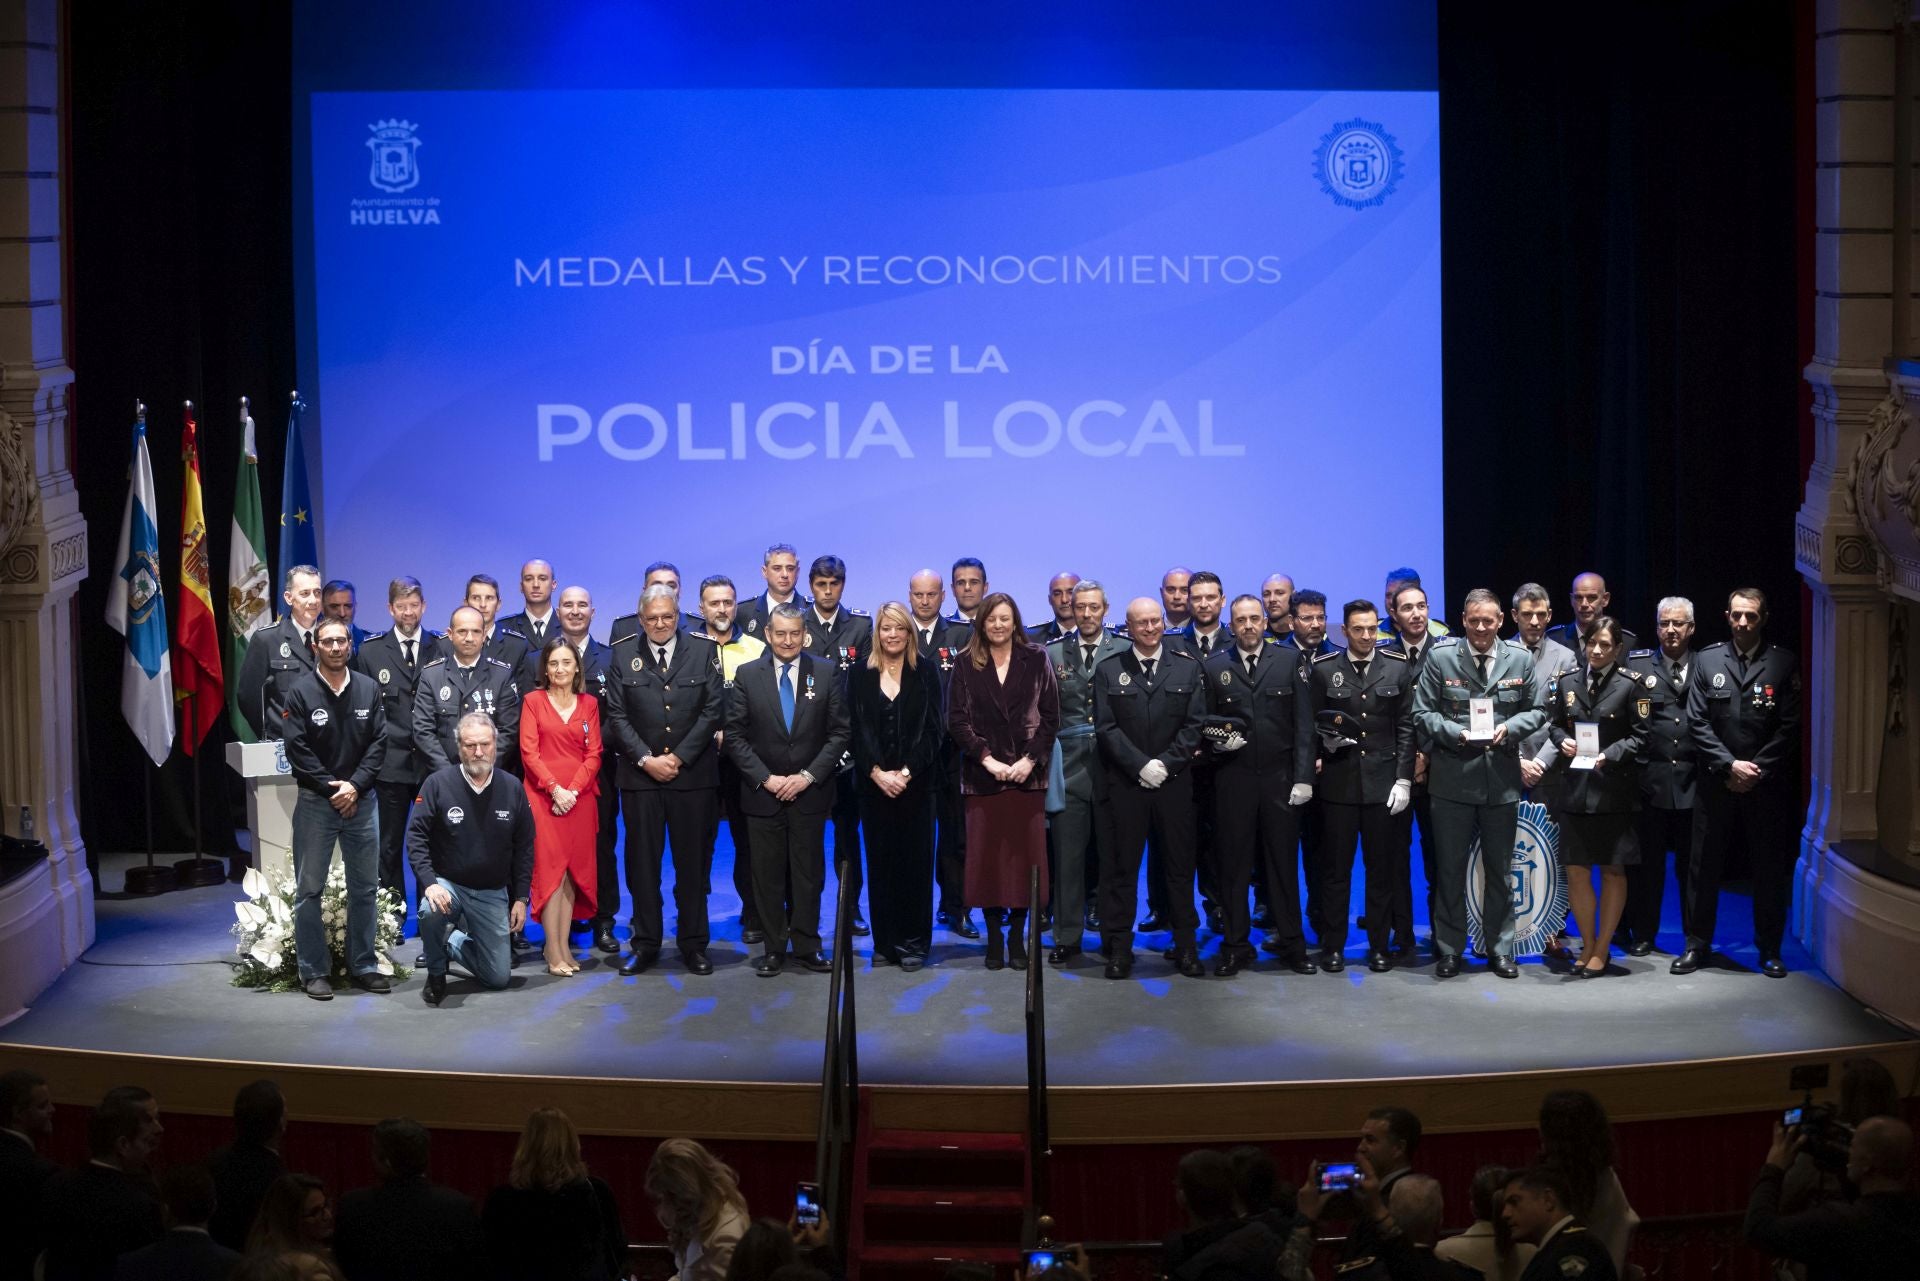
(1621, 230)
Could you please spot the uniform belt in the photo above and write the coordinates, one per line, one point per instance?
(1075, 731)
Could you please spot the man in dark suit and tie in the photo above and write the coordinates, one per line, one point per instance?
(1149, 707)
(187, 1252)
(1255, 689)
(405, 1228)
(663, 706)
(843, 637)
(26, 1119)
(786, 728)
(94, 1213)
(279, 655)
(536, 620)
(394, 660)
(1665, 821)
(940, 639)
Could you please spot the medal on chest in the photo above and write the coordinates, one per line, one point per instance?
(809, 685)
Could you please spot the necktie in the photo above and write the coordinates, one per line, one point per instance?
(1741, 660)
(1086, 657)
(307, 636)
(1482, 660)
(786, 694)
(1593, 683)
(1146, 669)
(539, 631)
(660, 657)
(1206, 646)
(1360, 670)
(1677, 671)
(1253, 661)
(409, 649)
(926, 638)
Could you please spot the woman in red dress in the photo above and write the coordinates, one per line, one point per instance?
(1003, 710)
(560, 754)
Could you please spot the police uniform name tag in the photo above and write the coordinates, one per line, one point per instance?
(1586, 745)
(1479, 719)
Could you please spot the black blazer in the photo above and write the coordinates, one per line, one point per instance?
(761, 746)
(1376, 714)
(276, 657)
(1667, 764)
(181, 1255)
(406, 1229)
(91, 1216)
(1136, 723)
(381, 659)
(915, 712)
(241, 1176)
(1269, 703)
(1620, 707)
(570, 1235)
(23, 1175)
(444, 695)
(675, 711)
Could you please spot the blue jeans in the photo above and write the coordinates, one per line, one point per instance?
(473, 933)
(316, 828)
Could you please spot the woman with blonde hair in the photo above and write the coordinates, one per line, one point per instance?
(893, 703)
(295, 1217)
(553, 1221)
(696, 1197)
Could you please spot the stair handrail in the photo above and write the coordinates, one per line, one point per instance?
(1039, 1137)
(839, 1073)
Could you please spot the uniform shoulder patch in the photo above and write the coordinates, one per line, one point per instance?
(1639, 653)
(1187, 654)
(1269, 640)
(621, 640)
(1705, 649)
(859, 613)
(1438, 628)
(1330, 654)
(1445, 642)
(1511, 643)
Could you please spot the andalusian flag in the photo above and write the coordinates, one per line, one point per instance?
(137, 609)
(249, 588)
(297, 543)
(198, 672)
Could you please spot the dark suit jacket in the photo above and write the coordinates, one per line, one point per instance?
(1137, 723)
(1269, 704)
(677, 712)
(23, 1177)
(406, 1229)
(92, 1215)
(439, 702)
(751, 616)
(760, 744)
(381, 659)
(241, 1175)
(183, 1254)
(1620, 708)
(1006, 721)
(850, 631)
(276, 657)
(1667, 761)
(1756, 719)
(917, 741)
(1377, 714)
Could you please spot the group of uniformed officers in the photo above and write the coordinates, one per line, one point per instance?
(1232, 743)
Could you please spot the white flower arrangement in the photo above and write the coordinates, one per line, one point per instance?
(263, 932)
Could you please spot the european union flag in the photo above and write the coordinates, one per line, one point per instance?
(297, 543)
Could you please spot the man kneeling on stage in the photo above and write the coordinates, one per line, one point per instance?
(471, 844)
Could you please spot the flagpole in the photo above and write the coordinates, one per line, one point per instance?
(150, 879)
(197, 869)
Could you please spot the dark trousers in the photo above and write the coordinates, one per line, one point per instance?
(1455, 824)
(1660, 831)
(1082, 839)
(686, 817)
(789, 850)
(1163, 817)
(950, 846)
(394, 800)
(899, 840)
(1255, 831)
(1375, 830)
(737, 833)
(1313, 857)
(606, 859)
(1206, 869)
(1762, 823)
(1420, 812)
(846, 833)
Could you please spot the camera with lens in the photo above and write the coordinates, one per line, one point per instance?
(1826, 1138)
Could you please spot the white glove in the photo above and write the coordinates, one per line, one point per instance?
(1301, 794)
(1400, 797)
(1235, 741)
(1153, 773)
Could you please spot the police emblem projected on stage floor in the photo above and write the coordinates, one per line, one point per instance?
(1538, 885)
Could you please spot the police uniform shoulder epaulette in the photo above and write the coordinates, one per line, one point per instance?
(373, 636)
(1511, 643)
(858, 613)
(1438, 628)
(1180, 653)
(1384, 651)
(434, 662)
(1354, 1265)
(428, 631)
(1640, 653)
(512, 631)
(1115, 656)
(1716, 645)
(497, 663)
(621, 640)
(1063, 639)
(1445, 642)
(1332, 653)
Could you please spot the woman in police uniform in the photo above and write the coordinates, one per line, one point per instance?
(1598, 804)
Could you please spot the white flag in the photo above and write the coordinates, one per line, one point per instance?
(137, 609)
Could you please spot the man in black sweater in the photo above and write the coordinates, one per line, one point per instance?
(336, 740)
(1874, 1236)
(471, 844)
(406, 1227)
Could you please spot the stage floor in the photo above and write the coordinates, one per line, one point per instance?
(157, 982)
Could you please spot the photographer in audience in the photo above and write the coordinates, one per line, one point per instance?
(1817, 1173)
(1874, 1237)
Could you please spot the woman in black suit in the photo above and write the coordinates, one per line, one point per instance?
(1598, 804)
(894, 703)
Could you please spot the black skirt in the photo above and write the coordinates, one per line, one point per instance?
(1598, 840)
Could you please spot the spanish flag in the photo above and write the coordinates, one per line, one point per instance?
(197, 672)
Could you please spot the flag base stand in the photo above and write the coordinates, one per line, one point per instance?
(201, 871)
(150, 879)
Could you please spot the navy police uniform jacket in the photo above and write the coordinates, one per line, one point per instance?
(653, 713)
(1752, 717)
(1667, 761)
(1138, 721)
(1367, 743)
(1619, 705)
(382, 660)
(1267, 707)
(447, 691)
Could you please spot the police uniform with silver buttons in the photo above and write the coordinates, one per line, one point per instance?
(276, 658)
(384, 658)
(447, 692)
(1666, 795)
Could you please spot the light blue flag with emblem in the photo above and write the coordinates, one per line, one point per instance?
(137, 609)
(297, 543)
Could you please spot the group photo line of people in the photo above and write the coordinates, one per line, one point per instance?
(1231, 744)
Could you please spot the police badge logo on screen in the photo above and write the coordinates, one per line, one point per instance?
(1358, 163)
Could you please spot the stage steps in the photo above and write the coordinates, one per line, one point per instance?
(923, 1199)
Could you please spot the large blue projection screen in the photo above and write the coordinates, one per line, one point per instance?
(1099, 330)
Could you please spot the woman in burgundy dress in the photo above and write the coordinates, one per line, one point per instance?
(560, 754)
(1003, 711)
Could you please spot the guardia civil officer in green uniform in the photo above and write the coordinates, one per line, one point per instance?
(1474, 782)
(1077, 811)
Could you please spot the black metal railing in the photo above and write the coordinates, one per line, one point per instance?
(839, 1074)
(1039, 1138)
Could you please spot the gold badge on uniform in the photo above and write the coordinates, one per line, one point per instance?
(1571, 695)
(1645, 708)
(1226, 678)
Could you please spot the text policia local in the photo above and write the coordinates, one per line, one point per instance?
(792, 429)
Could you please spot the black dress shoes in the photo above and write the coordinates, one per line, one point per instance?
(815, 961)
(1379, 962)
(1447, 966)
(1332, 962)
(752, 934)
(1503, 967)
(1061, 955)
(697, 962)
(1231, 963)
(1153, 922)
(1640, 947)
(378, 983)
(963, 926)
(1688, 961)
(1187, 961)
(436, 989)
(769, 965)
(1271, 943)
(641, 960)
(860, 927)
(604, 941)
(1119, 965)
(1772, 968)
(1301, 963)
